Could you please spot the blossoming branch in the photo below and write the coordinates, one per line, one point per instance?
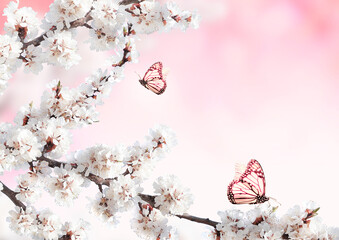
(39, 139)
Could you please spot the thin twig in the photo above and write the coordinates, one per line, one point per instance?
(81, 22)
(147, 198)
(206, 221)
(126, 2)
(74, 24)
(12, 195)
(151, 200)
(92, 177)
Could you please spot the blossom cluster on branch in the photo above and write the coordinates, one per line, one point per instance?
(112, 24)
(265, 222)
(39, 139)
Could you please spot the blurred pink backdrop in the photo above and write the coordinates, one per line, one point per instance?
(258, 79)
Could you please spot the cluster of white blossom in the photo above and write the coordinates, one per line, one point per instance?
(44, 225)
(21, 22)
(263, 222)
(150, 16)
(136, 160)
(41, 134)
(65, 11)
(45, 130)
(151, 224)
(65, 186)
(124, 168)
(120, 193)
(10, 50)
(28, 188)
(112, 24)
(173, 198)
(120, 196)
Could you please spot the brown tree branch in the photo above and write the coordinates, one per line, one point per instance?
(126, 2)
(151, 200)
(147, 198)
(81, 22)
(12, 196)
(206, 221)
(74, 24)
(92, 177)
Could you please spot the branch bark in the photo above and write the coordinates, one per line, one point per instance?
(92, 177)
(12, 196)
(74, 24)
(126, 2)
(81, 22)
(151, 200)
(147, 198)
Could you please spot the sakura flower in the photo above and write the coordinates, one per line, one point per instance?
(102, 160)
(65, 186)
(151, 224)
(105, 38)
(98, 86)
(333, 233)
(10, 49)
(4, 77)
(28, 187)
(49, 226)
(7, 160)
(139, 161)
(189, 19)
(106, 13)
(66, 11)
(57, 101)
(102, 207)
(23, 222)
(41, 168)
(33, 59)
(123, 193)
(120, 196)
(233, 225)
(117, 74)
(161, 138)
(61, 49)
(55, 137)
(146, 17)
(75, 231)
(23, 145)
(21, 22)
(173, 198)
(297, 221)
(132, 54)
(76, 106)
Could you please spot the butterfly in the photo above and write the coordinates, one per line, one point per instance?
(248, 186)
(154, 79)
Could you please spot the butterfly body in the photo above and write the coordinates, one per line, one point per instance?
(154, 79)
(248, 187)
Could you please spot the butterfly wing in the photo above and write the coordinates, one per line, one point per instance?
(249, 188)
(240, 168)
(156, 85)
(154, 79)
(155, 71)
(241, 193)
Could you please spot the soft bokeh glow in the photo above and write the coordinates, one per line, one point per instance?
(258, 79)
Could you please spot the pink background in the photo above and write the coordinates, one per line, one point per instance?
(258, 79)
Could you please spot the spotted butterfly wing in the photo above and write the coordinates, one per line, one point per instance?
(154, 79)
(248, 187)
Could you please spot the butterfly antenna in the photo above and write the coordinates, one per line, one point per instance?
(275, 200)
(274, 207)
(138, 75)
